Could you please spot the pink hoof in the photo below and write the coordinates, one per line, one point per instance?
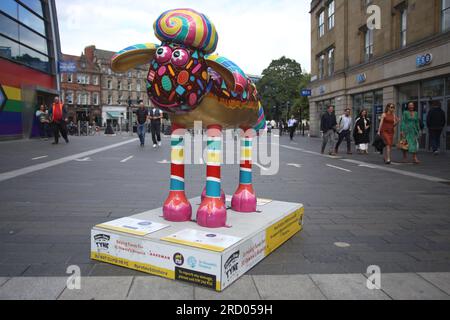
(244, 200)
(212, 213)
(177, 208)
(222, 195)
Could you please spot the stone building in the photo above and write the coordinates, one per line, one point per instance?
(115, 92)
(367, 53)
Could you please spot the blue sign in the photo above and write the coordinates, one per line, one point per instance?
(67, 67)
(424, 60)
(361, 78)
(306, 92)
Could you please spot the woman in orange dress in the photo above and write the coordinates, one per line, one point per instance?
(387, 130)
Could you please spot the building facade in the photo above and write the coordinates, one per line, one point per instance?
(29, 55)
(368, 53)
(97, 94)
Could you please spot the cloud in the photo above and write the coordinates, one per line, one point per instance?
(251, 33)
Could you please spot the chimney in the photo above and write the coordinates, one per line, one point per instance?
(89, 53)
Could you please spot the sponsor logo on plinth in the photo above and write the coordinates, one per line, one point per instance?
(102, 242)
(199, 278)
(178, 259)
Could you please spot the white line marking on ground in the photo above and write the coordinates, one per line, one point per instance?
(38, 158)
(20, 172)
(87, 159)
(338, 168)
(260, 166)
(127, 159)
(405, 173)
(163, 162)
(294, 165)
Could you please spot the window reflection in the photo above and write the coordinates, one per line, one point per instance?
(33, 59)
(33, 40)
(8, 49)
(31, 20)
(8, 27)
(9, 7)
(35, 5)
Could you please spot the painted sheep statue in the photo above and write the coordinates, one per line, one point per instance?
(191, 84)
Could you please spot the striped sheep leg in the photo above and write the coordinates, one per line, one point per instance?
(177, 208)
(244, 200)
(212, 212)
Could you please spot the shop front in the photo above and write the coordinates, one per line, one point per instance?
(425, 94)
(372, 102)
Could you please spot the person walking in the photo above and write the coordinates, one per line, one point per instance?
(344, 131)
(361, 133)
(44, 121)
(435, 124)
(58, 118)
(410, 130)
(156, 117)
(387, 130)
(328, 126)
(142, 116)
(292, 125)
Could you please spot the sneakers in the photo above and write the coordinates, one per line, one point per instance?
(154, 146)
(436, 153)
(159, 144)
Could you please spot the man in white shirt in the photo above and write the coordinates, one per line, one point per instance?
(292, 125)
(344, 131)
(156, 117)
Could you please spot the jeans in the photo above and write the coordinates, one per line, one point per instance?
(435, 137)
(328, 138)
(141, 133)
(156, 132)
(60, 127)
(43, 129)
(344, 135)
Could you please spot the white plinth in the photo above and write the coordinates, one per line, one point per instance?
(259, 235)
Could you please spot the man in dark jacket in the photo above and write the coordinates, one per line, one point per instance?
(328, 126)
(435, 124)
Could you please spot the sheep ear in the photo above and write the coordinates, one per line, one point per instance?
(133, 56)
(216, 63)
(233, 76)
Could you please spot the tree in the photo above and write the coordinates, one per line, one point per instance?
(280, 88)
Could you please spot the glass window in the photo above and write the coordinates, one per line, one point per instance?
(368, 40)
(409, 92)
(331, 62)
(35, 5)
(9, 49)
(331, 15)
(321, 24)
(321, 66)
(33, 40)
(9, 27)
(10, 7)
(31, 20)
(433, 88)
(403, 27)
(448, 86)
(34, 59)
(445, 15)
(368, 100)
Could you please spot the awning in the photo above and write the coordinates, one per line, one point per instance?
(114, 114)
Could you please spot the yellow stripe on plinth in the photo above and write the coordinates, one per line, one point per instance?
(13, 93)
(177, 155)
(138, 266)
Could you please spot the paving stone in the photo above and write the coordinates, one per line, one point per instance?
(440, 280)
(410, 286)
(155, 288)
(107, 270)
(32, 288)
(3, 280)
(56, 270)
(12, 269)
(347, 287)
(99, 288)
(243, 289)
(291, 287)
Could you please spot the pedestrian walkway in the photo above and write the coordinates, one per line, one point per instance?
(431, 165)
(399, 286)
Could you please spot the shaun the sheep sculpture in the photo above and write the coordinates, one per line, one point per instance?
(190, 84)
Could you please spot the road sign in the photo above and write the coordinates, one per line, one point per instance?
(67, 67)
(306, 92)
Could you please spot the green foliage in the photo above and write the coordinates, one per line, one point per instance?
(280, 87)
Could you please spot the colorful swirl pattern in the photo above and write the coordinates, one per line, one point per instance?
(134, 50)
(240, 78)
(187, 27)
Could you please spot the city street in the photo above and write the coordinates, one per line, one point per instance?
(358, 213)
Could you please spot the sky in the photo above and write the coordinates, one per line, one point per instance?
(252, 33)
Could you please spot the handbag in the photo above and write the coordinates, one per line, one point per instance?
(403, 145)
